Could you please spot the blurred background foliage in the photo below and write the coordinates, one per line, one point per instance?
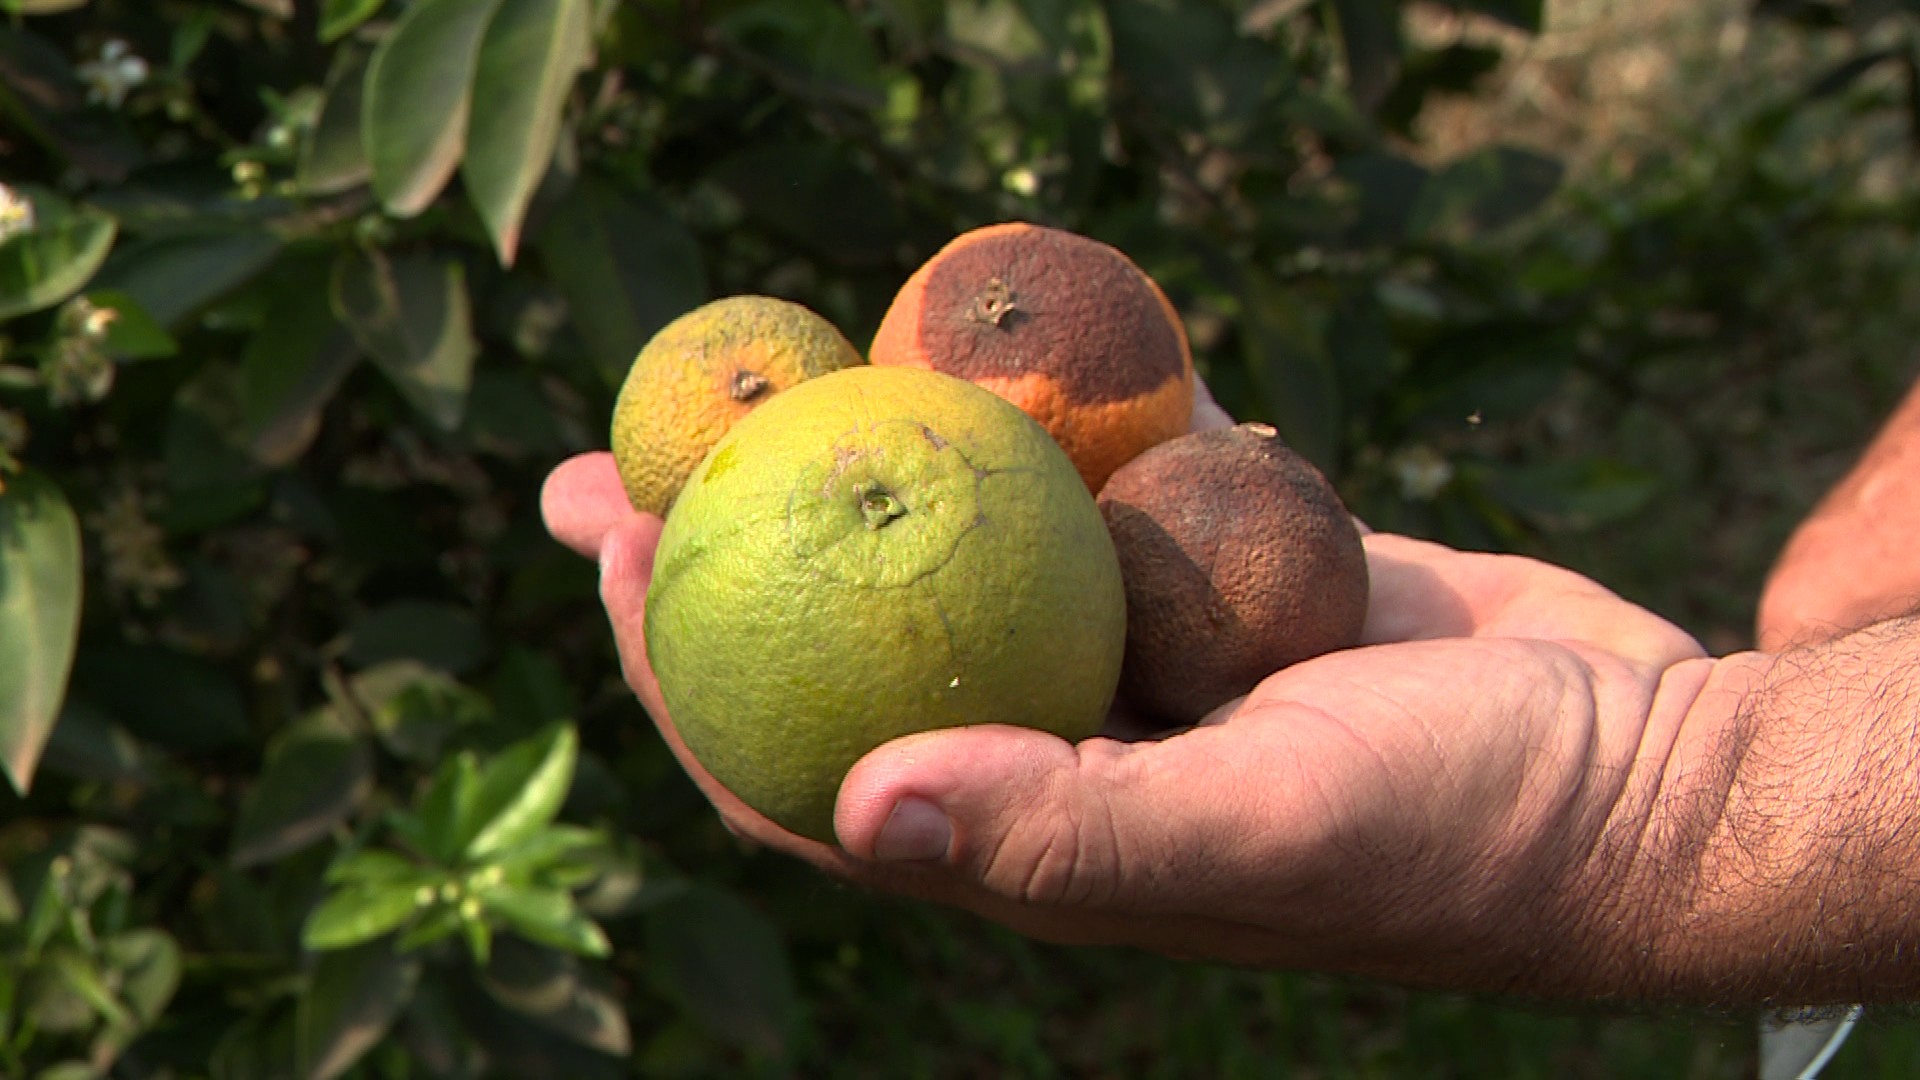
(318, 759)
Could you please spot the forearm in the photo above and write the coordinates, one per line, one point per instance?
(1768, 848)
(1851, 561)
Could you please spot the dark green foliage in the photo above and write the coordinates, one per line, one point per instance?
(321, 763)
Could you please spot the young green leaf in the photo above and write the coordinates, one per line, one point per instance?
(419, 96)
(440, 922)
(532, 53)
(446, 807)
(520, 790)
(479, 937)
(357, 914)
(375, 866)
(547, 916)
(39, 616)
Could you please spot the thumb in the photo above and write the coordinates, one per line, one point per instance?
(1036, 820)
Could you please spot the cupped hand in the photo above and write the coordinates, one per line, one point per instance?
(1436, 806)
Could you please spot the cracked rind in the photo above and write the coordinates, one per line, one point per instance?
(790, 638)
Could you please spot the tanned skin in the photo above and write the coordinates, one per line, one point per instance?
(1520, 784)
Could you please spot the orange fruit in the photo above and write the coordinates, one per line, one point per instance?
(1062, 325)
(704, 371)
(877, 552)
(1239, 560)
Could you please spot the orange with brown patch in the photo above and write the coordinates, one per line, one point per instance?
(1062, 325)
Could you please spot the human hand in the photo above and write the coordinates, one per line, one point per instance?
(1440, 806)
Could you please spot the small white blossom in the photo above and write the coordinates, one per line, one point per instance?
(16, 214)
(1422, 472)
(81, 317)
(113, 74)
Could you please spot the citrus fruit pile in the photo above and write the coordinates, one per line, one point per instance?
(999, 516)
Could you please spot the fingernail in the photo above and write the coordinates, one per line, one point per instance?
(915, 832)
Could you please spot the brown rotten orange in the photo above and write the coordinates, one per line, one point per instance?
(1062, 325)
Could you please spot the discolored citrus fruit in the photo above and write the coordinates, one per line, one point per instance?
(876, 552)
(1239, 560)
(1064, 326)
(704, 371)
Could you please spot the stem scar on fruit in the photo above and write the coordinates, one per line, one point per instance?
(747, 385)
(994, 304)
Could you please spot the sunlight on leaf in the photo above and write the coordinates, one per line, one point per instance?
(419, 95)
(533, 52)
(39, 616)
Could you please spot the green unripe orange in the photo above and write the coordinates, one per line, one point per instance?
(872, 553)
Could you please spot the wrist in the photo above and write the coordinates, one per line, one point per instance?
(1770, 851)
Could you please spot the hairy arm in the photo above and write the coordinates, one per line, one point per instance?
(1770, 853)
(1852, 561)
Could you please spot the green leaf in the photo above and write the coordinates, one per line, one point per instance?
(148, 964)
(549, 917)
(164, 696)
(376, 866)
(413, 316)
(1369, 35)
(547, 847)
(414, 707)
(439, 924)
(1484, 190)
(445, 809)
(133, 334)
(443, 636)
(549, 987)
(85, 743)
(351, 1000)
(314, 777)
(56, 258)
(291, 368)
(532, 53)
(172, 277)
(419, 96)
(77, 974)
(39, 616)
(338, 18)
(520, 790)
(817, 42)
(815, 194)
(724, 962)
(333, 158)
(357, 914)
(40, 7)
(627, 266)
